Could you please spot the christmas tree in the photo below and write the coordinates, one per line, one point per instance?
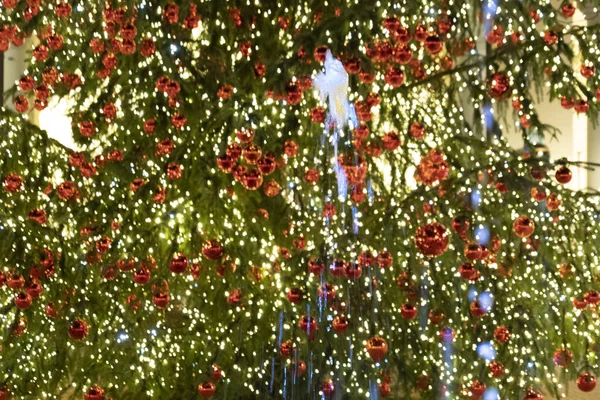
(296, 200)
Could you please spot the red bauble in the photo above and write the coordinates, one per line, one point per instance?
(592, 297)
(290, 148)
(377, 348)
(328, 388)
(523, 226)
(267, 164)
(161, 299)
(587, 71)
(447, 334)
(141, 276)
(212, 250)
(298, 368)
(294, 94)
(436, 316)
(94, 393)
(294, 295)
(316, 266)
(178, 264)
(327, 292)
(550, 38)
(477, 389)
(287, 348)
(432, 239)
(498, 85)
(337, 268)
(408, 311)
(402, 54)
(586, 382)
(581, 106)
(420, 33)
(394, 77)
(563, 357)
(568, 10)
(311, 175)
(476, 309)
(502, 334)
(496, 369)
(433, 44)
(579, 303)
(308, 324)
(78, 329)
(460, 225)
(473, 251)
(35, 289)
(467, 271)
(320, 53)
(252, 153)
(563, 175)
(384, 259)
(206, 389)
(21, 104)
(533, 395)
(384, 389)
(23, 301)
(352, 65)
(252, 179)
(13, 183)
(391, 141)
(340, 324)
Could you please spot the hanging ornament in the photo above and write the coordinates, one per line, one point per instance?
(568, 10)
(327, 292)
(328, 388)
(523, 226)
(337, 268)
(473, 251)
(294, 295)
(423, 382)
(581, 106)
(308, 324)
(206, 390)
(592, 297)
(433, 44)
(78, 329)
(433, 168)
(563, 175)
(477, 389)
(141, 276)
(23, 301)
(586, 382)
(178, 264)
(340, 324)
(436, 316)
(533, 395)
(563, 357)
(384, 389)
(499, 86)
(432, 239)
(161, 299)
(408, 311)
(316, 266)
(94, 393)
(402, 54)
(502, 334)
(287, 348)
(447, 334)
(212, 250)
(298, 368)
(377, 348)
(384, 259)
(394, 77)
(391, 141)
(496, 369)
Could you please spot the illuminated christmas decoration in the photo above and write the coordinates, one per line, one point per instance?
(223, 231)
